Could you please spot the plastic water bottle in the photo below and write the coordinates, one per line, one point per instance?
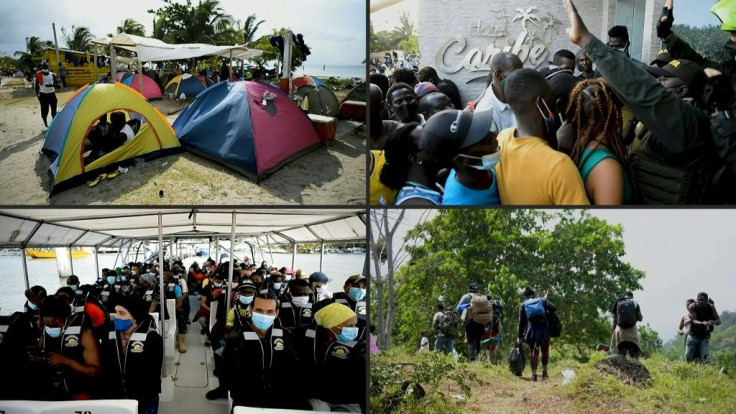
(567, 376)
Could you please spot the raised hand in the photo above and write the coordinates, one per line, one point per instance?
(578, 33)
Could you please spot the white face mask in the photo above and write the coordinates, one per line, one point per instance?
(488, 161)
(322, 289)
(300, 301)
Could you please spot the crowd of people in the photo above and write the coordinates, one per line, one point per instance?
(479, 316)
(619, 132)
(101, 340)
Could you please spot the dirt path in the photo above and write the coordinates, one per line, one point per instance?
(331, 175)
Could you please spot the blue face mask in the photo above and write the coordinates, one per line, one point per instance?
(277, 286)
(123, 279)
(261, 321)
(74, 287)
(245, 300)
(348, 334)
(356, 293)
(111, 280)
(122, 324)
(32, 306)
(53, 332)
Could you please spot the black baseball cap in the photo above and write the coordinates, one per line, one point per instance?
(450, 130)
(686, 70)
(319, 277)
(354, 279)
(663, 57)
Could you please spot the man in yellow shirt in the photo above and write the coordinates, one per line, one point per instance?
(530, 172)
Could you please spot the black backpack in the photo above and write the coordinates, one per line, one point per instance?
(626, 313)
(449, 322)
(554, 324)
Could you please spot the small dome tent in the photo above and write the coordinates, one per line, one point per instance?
(250, 127)
(67, 135)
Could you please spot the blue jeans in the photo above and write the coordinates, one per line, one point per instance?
(695, 344)
(445, 343)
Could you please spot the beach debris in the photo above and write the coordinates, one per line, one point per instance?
(161, 193)
(567, 376)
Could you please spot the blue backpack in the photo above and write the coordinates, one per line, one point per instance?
(534, 308)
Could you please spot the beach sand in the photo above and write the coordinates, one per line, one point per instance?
(330, 175)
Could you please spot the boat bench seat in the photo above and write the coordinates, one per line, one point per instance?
(69, 407)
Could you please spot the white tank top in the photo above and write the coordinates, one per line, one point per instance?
(47, 79)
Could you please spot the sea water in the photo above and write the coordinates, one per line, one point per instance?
(44, 271)
(329, 70)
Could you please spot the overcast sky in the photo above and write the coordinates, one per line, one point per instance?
(692, 12)
(681, 251)
(334, 30)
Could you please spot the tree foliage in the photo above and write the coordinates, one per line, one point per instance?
(706, 40)
(402, 36)
(568, 256)
(79, 38)
(649, 340)
(271, 53)
(131, 26)
(207, 22)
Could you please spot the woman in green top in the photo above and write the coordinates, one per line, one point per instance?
(599, 150)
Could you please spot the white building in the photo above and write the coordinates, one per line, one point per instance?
(459, 37)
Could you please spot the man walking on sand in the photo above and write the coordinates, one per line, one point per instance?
(44, 83)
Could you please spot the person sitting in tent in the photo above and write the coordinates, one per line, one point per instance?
(105, 137)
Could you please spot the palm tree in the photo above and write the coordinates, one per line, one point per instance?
(34, 48)
(80, 38)
(130, 26)
(250, 27)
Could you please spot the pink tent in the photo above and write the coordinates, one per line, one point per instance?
(151, 90)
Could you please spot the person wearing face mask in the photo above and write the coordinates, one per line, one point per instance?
(275, 284)
(409, 169)
(73, 282)
(217, 293)
(132, 356)
(85, 300)
(318, 283)
(71, 353)
(19, 335)
(674, 156)
(173, 291)
(238, 315)
(44, 83)
(296, 307)
(288, 273)
(529, 172)
(260, 360)
(494, 97)
(463, 139)
(264, 265)
(109, 296)
(334, 357)
(353, 296)
(403, 103)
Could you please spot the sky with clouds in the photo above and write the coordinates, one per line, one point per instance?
(682, 252)
(334, 30)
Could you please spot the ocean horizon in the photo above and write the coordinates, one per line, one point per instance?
(343, 71)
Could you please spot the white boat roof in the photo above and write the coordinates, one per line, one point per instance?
(44, 227)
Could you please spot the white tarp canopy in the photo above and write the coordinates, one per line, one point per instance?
(155, 50)
(44, 227)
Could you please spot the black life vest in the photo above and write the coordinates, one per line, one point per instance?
(65, 381)
(129, 374)
(292, 316)
(663, 183)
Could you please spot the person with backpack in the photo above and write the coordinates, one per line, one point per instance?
(624, 334)
(445, 324)
(684, 328)
(492, 333)
(477, 313)
(534, 330)
(703, 317)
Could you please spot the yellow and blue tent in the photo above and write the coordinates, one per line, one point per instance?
(65, 140)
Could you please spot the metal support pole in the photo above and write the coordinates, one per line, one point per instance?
(56, 46)
(230, 76)
(232, 263)
(217, 250)
(95, 66)
(71, 261)
(97, 263)
(270, 253)
(25, 268)
(293, 255)
(321, 253)
(140, 76)
(120, 250)
(171, 253)
(162, 298)
(258, 240)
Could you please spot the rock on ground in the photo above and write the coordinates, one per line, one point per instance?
(628, 370)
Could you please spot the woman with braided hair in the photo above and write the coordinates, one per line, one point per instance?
(599, 150)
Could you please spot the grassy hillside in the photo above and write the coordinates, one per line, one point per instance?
(459, 387)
